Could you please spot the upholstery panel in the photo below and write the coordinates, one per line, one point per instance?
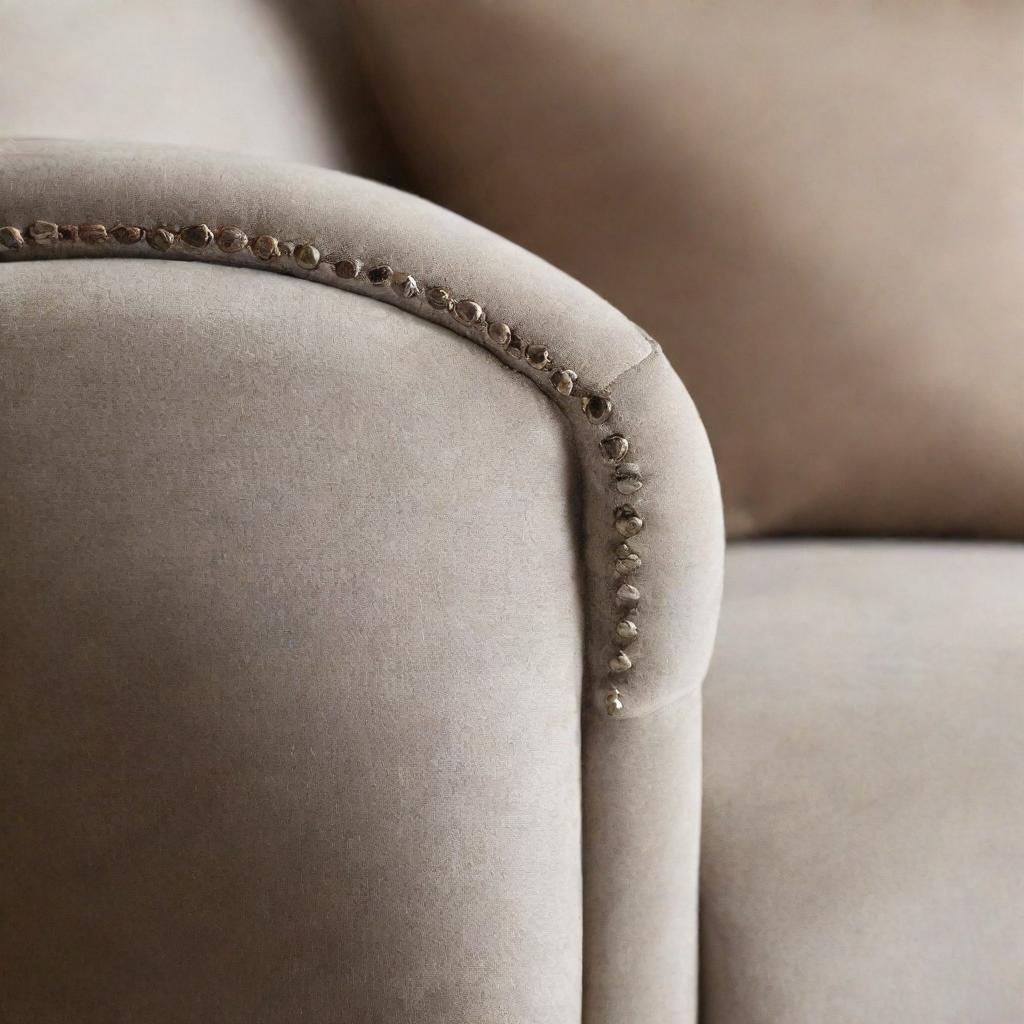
(293, 636)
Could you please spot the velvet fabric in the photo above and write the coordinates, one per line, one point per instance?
(817, 209)
(293, 633)
(130, 183)
(269, 78)
(863, 812)
(632, 791)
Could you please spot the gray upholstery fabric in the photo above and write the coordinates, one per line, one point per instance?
(292, 632)
(267, 77)
(642, 794)
(110, 183)
(863, 807)
(652, 784)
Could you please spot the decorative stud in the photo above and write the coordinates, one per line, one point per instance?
(160, 239)
(307, 256)
(626, 560)
(627, 522)
(197, 236)
(626, 630)
(613, 703)
(468, 312)
(538, 357)
(597, 408)
(516, 346)
(11, 237)
(626, 566)
(627, 478)
(265, 247)
(499, 333)
(92, 234)
(231, 239)
(347, 268)
(620, 663)
(564, 381)
(127, 234)
(43, 231)
(407, 287)
(614, 447)
(439, 298)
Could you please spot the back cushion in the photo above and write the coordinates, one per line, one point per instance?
(292, 643)
(817, 209)
(257, 76)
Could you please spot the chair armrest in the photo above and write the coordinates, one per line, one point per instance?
(650, 523)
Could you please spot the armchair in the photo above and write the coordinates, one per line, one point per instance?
(360, 571)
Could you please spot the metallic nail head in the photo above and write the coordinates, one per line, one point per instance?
(597, 408)
(499, 333)
(615, 447)
(564, 381)
(626, 630)
(307, 256)
(620, 663)
(11, 237)
(265, 247)
(198, 236)
(347, 268)
(538, 357)
(127, 234)
(160, 239)
(42, 231)
(93, 234)
(468, 312)
(439, 298)
(379, 275)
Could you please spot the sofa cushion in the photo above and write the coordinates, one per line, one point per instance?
(863, 809)
(816, 208)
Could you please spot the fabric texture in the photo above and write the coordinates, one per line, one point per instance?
(264, 77)
(816, 209)
(128, 183)
(650, 786)
(863, 810)
(292, 630)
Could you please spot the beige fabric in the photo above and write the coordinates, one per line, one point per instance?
(680, 546)
(641, 779)
(642, 792)
(289, 696)
(816, 208)
(634, 789)
(267, 77)
(863, 808)
(111, 183)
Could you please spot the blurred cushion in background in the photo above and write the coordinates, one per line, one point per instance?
(267, 77)
(818, 211)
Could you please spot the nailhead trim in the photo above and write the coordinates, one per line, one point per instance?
(597, 408)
